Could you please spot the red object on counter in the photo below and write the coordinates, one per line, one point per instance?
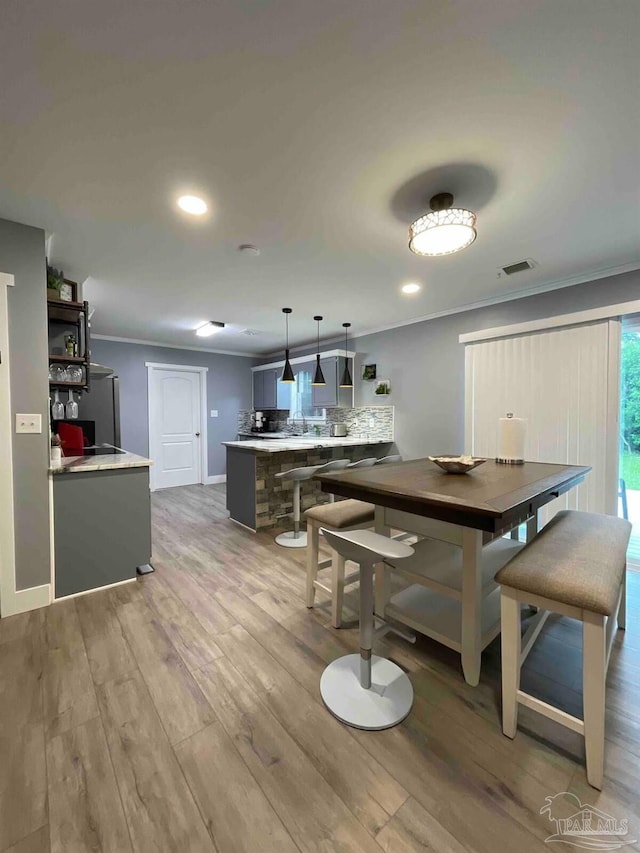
(71, 439)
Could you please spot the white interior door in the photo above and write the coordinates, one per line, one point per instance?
(565, 383)
(175, 427)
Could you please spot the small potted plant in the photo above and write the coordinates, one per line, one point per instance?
(55, 280)
(383, 387)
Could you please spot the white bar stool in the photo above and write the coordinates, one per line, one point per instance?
(363, 463)
(335, 465)
(365, 691)
(296, 538)
(387, 460)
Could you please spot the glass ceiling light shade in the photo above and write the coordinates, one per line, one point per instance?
(287, 373)
(318, 377)
(346, 381)
(445, 230)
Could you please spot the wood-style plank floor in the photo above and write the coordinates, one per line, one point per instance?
(182, 713)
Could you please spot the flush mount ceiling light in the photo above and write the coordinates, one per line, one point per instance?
(192, 204)
(287, 373)
(411, 288)
(445, 230)
(318, 377)
(346, 381)
(208, 329)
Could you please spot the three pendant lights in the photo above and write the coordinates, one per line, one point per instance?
(318, 377)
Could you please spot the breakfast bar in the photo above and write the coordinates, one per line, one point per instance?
(455, 601)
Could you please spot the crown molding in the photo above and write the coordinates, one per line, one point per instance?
(96, 337)
(512, 296)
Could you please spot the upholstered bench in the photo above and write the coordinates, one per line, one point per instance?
(341, 515)
(575, 566)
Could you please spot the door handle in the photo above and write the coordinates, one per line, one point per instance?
(197, 435)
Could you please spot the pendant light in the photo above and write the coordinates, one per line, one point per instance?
(445, 230)
(287, 373)
(346, 381)
(318, 377)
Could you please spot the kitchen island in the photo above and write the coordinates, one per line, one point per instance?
(258, 500)
(101, 520)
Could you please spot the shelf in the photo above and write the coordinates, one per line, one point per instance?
(71, 306)
(68, 359)
(67, 384)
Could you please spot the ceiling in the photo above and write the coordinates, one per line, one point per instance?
(317, 131)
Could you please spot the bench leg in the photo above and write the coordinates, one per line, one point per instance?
(511, 649)
(337, 588)
(594, 661)
(471, 605)
(313, 546)
(622, 610)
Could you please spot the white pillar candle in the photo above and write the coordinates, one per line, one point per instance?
(512, 435)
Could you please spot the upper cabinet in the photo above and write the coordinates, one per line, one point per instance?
(265, 389)
(330, 396)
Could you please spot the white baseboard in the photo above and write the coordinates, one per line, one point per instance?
(26, 599)
(215, 478)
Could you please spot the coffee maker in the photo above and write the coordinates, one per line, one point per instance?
(259, 422)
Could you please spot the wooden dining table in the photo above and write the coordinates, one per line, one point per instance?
(466, 510)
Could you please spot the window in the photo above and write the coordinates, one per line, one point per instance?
(301, 399)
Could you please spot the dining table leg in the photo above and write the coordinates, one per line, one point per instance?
(471, 604)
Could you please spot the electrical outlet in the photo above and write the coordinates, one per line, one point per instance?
(214, 413)
(29, 424)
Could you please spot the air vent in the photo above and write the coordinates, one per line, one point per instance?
(520, 266)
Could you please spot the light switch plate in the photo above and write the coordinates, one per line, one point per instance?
(29, 424)
(214, 413)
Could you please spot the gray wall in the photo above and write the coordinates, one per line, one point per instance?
(229, 389)
(22, 253)
(425, 362)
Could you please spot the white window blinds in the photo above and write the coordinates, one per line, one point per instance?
(566, 383)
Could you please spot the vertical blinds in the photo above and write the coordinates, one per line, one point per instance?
(565, 382)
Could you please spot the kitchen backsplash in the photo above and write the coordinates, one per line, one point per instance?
(371, 422)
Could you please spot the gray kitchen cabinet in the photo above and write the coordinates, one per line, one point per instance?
(330, 396)
(265, 389)
(270, 388)
(102, 525)
(258, 389)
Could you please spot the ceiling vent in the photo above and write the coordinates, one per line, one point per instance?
(519, 266)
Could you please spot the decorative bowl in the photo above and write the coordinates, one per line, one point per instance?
(457, 464)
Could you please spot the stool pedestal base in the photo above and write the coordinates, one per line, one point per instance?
(384, 705)
(291, 540)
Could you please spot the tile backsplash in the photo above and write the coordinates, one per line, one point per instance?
(371, 422)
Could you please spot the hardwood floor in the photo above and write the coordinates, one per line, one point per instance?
(182, 713)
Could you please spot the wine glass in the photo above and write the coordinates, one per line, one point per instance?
(57, 407)
(72, 407)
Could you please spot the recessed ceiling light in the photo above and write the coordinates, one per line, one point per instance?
(411, 288)
(249, 249)
(210, 328)
(192, 204)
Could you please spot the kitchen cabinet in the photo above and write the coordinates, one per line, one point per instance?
(330, 396)
(268, 392)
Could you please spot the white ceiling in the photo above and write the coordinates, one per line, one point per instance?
(317, 131)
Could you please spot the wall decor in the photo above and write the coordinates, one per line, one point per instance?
(369, 371)
(383, 387)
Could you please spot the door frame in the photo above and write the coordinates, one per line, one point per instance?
(7, 538)
(204, 446)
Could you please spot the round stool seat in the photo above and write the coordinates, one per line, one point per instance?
(389, 460)
(365, 546)
(296, 538)
(364, 463)
(386, 703)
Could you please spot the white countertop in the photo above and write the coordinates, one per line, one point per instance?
(106, 462)
(301, 443)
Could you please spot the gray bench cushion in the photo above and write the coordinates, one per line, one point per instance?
(577, 559)
(342, 514)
